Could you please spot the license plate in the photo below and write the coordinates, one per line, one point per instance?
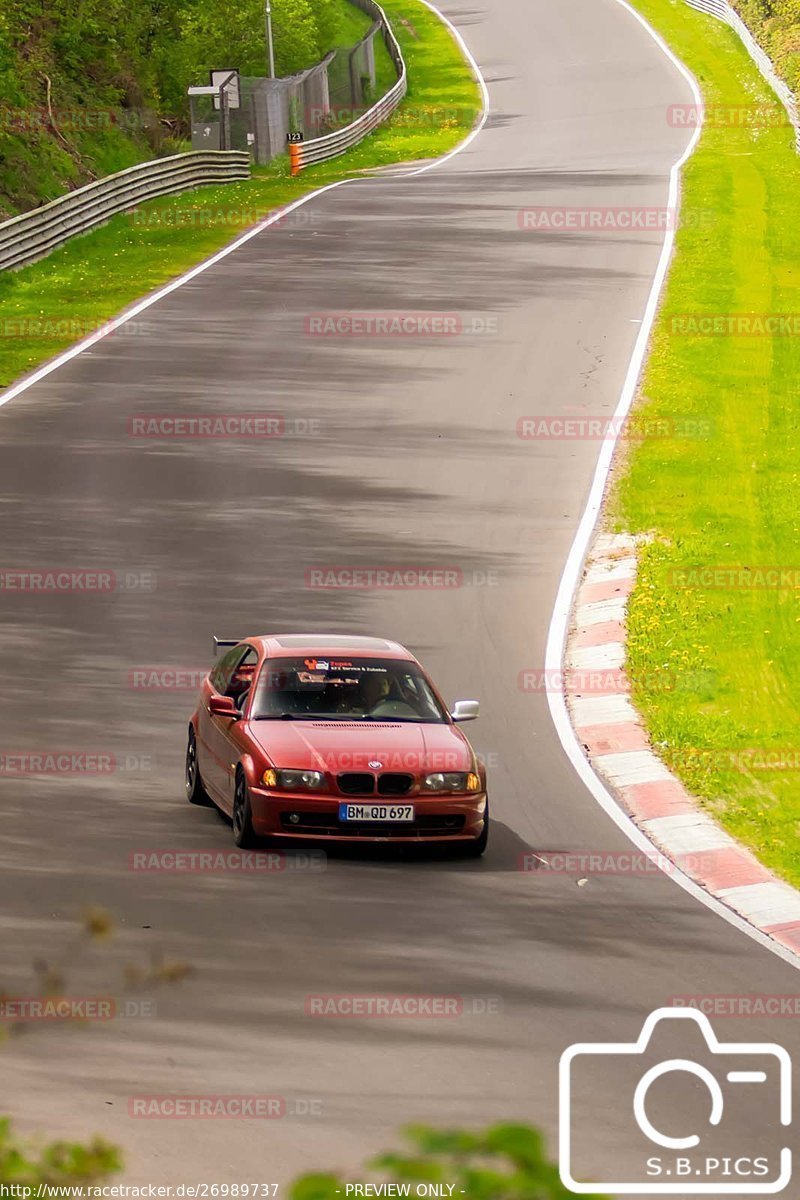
(376, 812)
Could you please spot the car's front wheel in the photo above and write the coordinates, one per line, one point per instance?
(243, 833)
(477, 848)
(195, 792)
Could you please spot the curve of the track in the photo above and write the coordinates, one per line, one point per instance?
(416, 461)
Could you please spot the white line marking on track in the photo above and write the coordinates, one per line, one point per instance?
(559, 625)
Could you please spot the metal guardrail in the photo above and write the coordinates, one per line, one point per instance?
(303, 154)
(32, 235)
(724, 11)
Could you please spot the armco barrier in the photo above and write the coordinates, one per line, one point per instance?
(725, 12)
(32, 235)
(318, 149)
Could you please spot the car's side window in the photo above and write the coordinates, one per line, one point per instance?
(241, 679)
(221, 675)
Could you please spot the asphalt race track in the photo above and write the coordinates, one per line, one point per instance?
(414, 460)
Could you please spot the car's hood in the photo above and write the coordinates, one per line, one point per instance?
(357, 746)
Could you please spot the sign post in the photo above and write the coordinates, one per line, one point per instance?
(271, 49)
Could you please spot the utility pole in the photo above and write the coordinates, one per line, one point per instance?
(268, 14)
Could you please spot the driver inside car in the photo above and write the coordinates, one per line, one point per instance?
(372, 690)
(381, 696)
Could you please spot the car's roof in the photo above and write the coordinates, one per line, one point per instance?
(291, 645)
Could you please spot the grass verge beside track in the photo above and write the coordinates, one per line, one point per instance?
(715, 658)
(46, 307)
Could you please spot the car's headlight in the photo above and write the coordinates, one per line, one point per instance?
(452, 781)
(294, 781)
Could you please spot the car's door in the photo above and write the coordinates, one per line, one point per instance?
(212, 742)
(237, 687)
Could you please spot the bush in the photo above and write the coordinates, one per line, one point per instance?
(776, 26)
(506, 1162)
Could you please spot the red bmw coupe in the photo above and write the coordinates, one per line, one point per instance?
(341, 739)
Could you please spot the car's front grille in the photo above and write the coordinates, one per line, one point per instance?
(394, 784)
(363, 783)
(328, 824)
(356, 783)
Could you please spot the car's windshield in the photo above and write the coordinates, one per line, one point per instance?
(364, 689)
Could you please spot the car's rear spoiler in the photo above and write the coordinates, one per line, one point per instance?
(225, 644)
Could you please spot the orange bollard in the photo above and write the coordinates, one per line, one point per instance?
(295, 158)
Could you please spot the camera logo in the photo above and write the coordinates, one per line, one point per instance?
(696, 1115)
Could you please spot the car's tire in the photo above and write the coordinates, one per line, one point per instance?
(477, 848)
(243, 833)
(195, 792)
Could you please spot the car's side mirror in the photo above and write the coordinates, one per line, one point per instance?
(223, 706)
(465, 710)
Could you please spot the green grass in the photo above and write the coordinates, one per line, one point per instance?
(729, 498)
(352, 28)
(353, 24)
(37, 169)
(95, 276)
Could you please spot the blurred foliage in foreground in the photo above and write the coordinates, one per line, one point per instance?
(55, 1163)
(29, 1163)
(505, 1162)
